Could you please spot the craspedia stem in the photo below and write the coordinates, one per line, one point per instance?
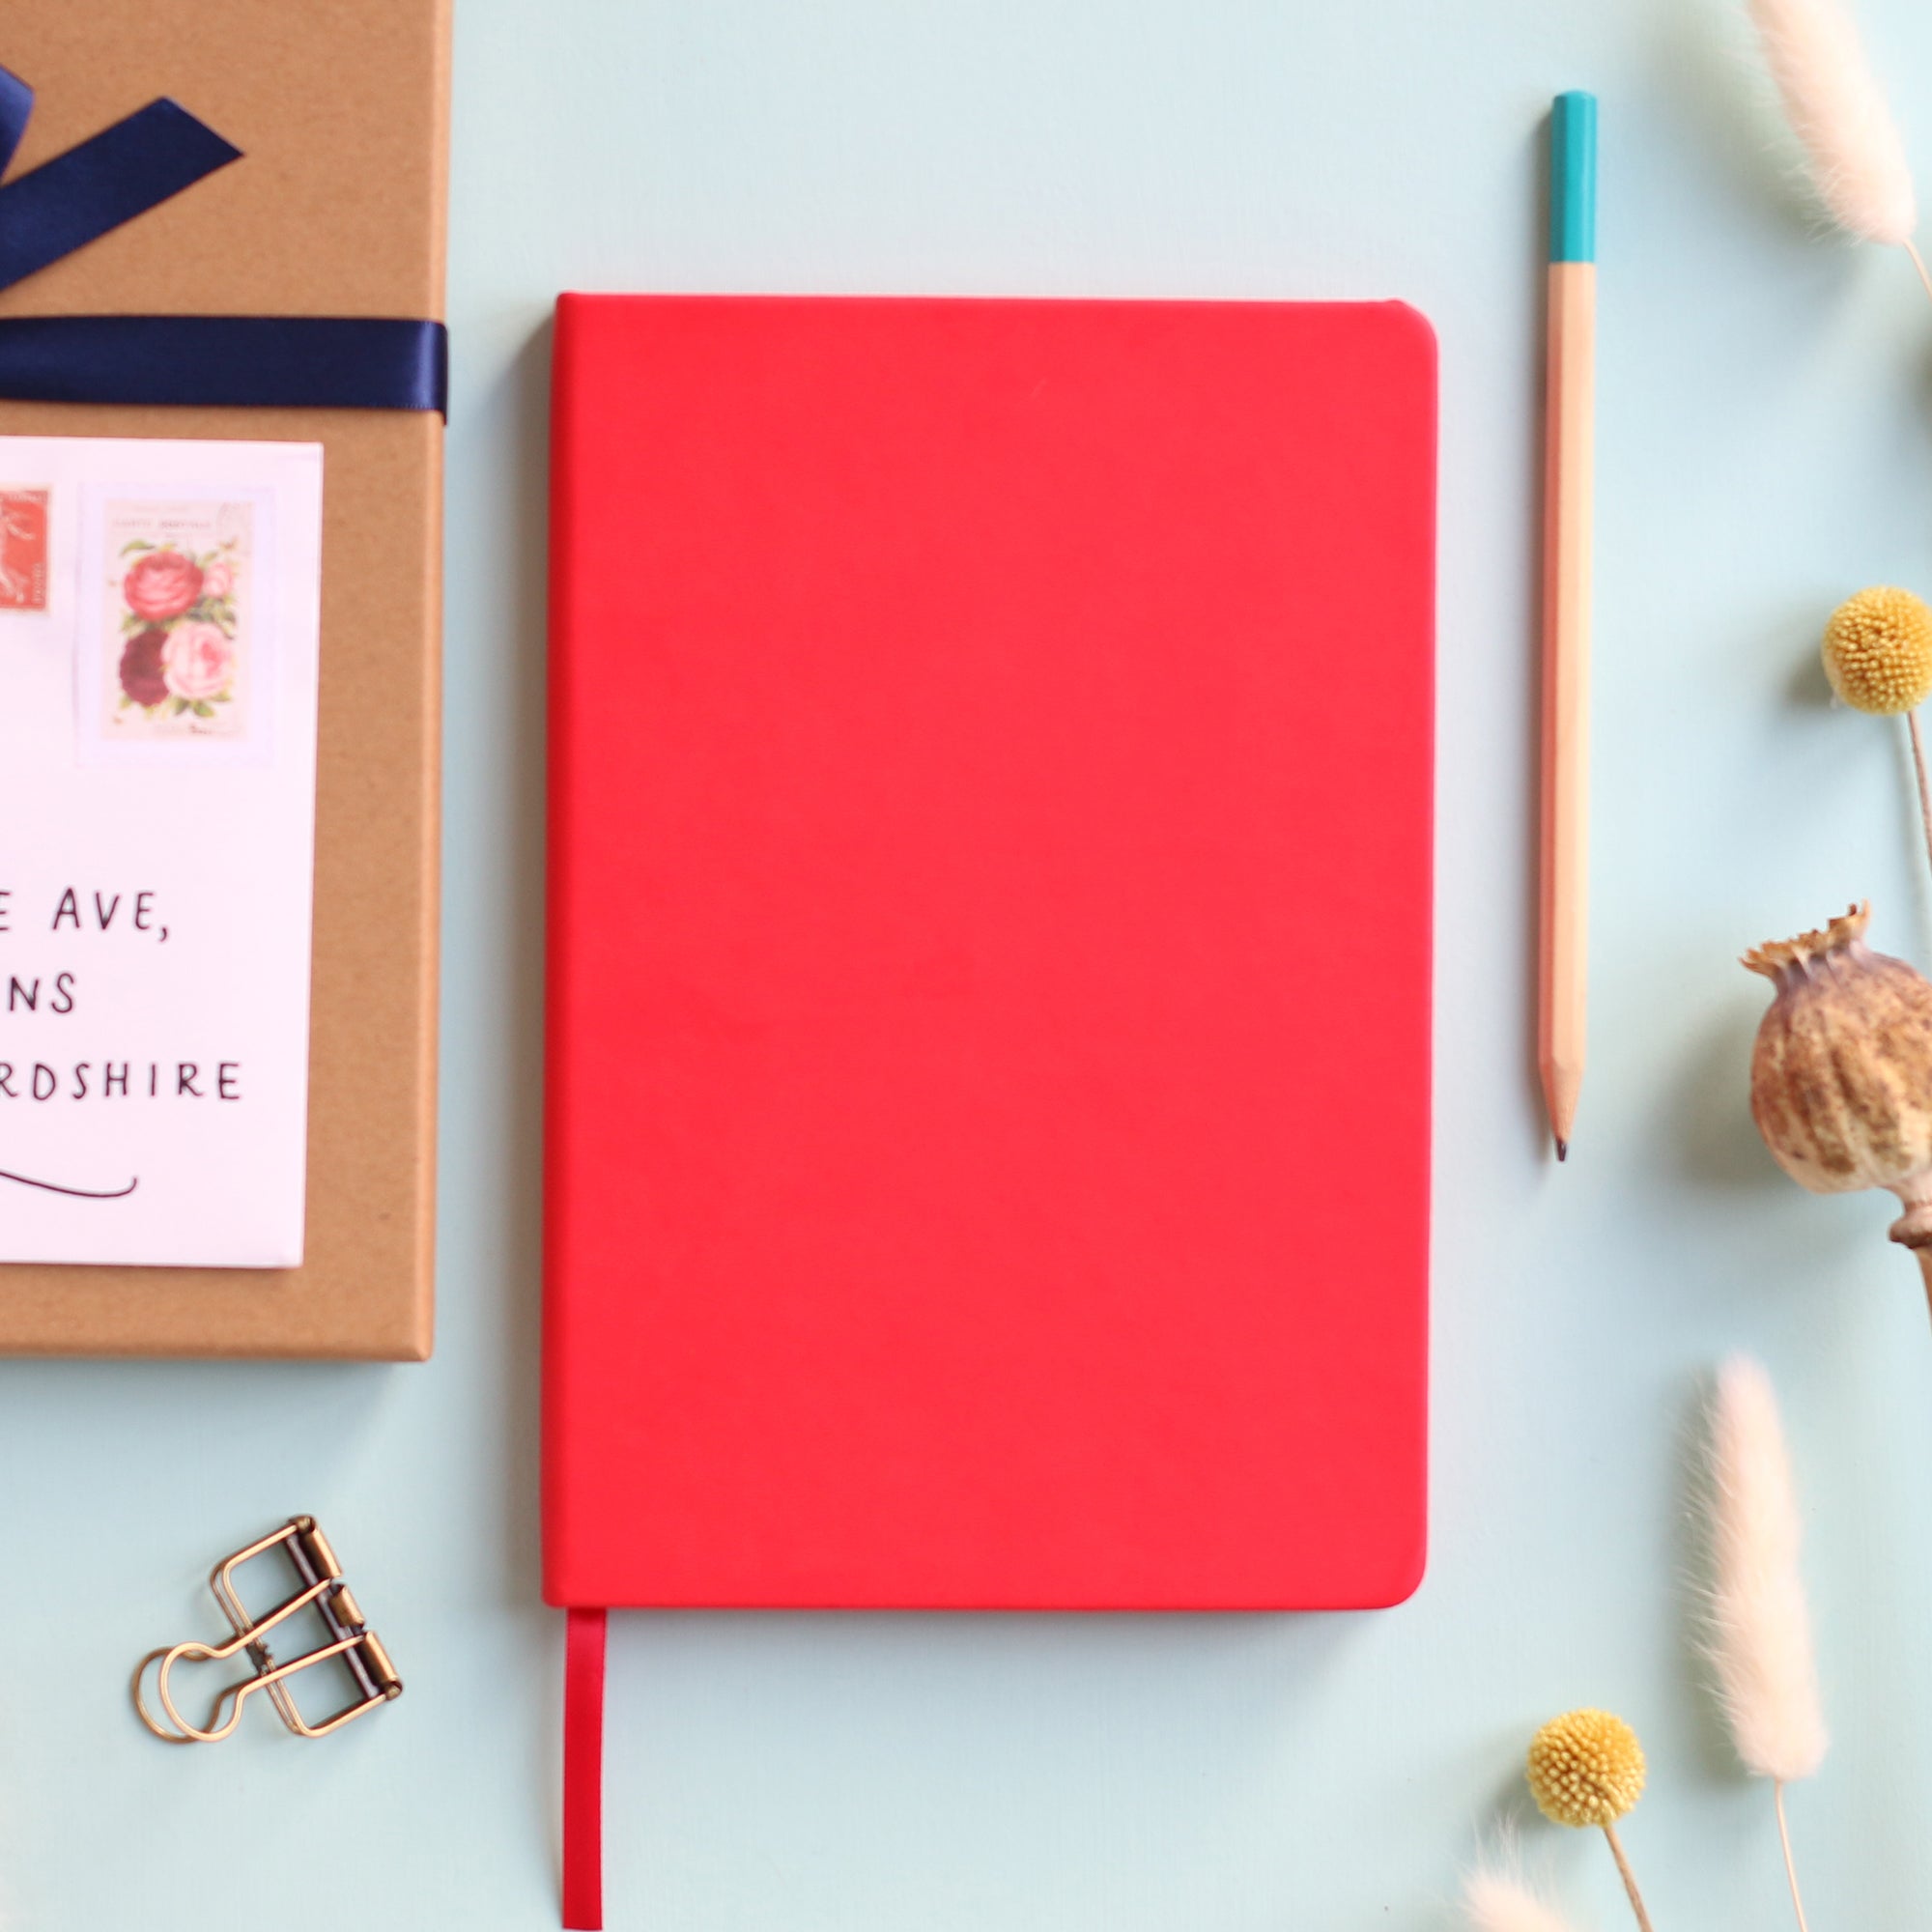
(1629, 1878)
(1924, 788)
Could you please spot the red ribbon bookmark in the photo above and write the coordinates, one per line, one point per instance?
(584, 1772)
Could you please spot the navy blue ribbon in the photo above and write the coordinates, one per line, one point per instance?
(16, 109)
(244, 361)
(238, 361)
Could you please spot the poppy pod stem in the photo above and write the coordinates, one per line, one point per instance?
(1925, 1271)
(1913, 1228)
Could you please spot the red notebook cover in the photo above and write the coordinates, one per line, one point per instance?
(989, 1058)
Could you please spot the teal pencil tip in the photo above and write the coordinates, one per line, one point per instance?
(1572, 178)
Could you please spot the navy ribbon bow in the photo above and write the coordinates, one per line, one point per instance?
(246, 361)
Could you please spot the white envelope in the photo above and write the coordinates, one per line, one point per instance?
(160, 627)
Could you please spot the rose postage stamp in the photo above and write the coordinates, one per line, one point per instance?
(24, 550)
(176, 620)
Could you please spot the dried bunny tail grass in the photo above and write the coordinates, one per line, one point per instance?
(1499, 1900)
(1760, 1625)
(1838, 112)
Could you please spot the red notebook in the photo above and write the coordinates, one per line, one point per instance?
(987, 1117)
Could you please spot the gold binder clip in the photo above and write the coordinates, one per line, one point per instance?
(320, 1576)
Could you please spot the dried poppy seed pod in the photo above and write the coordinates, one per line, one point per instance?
(1842, 1076)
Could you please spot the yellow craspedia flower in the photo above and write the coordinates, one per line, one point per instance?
(1586, 1768)
(1878, 651)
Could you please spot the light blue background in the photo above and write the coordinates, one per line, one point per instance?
(1764, 451)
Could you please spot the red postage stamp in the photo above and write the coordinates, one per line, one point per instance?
(24, 550)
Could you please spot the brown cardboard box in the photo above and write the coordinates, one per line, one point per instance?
(337, 208)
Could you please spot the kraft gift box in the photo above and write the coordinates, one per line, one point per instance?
(336, 208)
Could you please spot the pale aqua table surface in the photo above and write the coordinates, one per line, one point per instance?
(1764, 450)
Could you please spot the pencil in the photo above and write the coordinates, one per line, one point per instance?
(1570, 409)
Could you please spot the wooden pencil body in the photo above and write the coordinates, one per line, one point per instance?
(1566, 681)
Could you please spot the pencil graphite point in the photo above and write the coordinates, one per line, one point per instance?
(1562, 1083)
